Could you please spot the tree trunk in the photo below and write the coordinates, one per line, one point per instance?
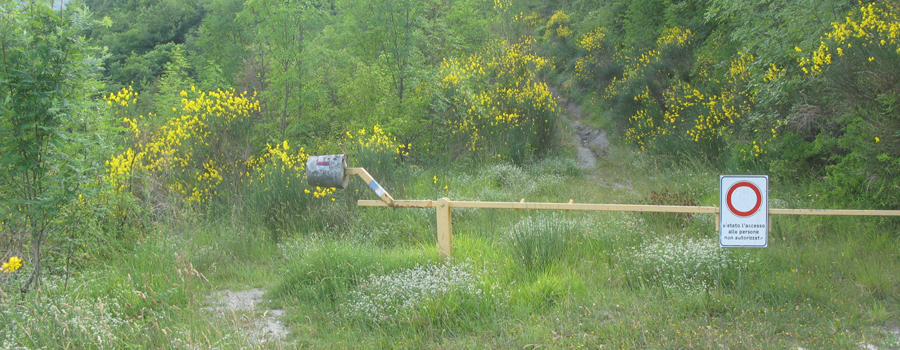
(300, 98)
(287, 94)
(35, 277)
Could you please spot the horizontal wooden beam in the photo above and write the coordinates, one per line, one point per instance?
(617, 207)
(585, 207)
(845, 212)
(397, 203)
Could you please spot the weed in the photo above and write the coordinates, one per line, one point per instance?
(689, 265)
(414, 293)
(666, 197)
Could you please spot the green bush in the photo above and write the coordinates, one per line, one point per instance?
(868, 173)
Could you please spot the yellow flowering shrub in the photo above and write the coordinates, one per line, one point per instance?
(286, 164)
(377, 140)
(704, 111)
(185, 154)
(698, 116)
(856, 61)
(531, 19)
(558, 25)
(637, 67)
(675, 36)
(871, 28)
(177, 154)
(593, 43)
(496, 94)
(638, 90)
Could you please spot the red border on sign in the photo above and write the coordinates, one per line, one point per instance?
(744, 213)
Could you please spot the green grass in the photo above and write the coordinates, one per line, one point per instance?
(519, 279)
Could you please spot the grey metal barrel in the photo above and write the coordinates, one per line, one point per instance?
(327, 171)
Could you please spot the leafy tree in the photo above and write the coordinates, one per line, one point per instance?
(220, 45)
(170, 84)
(281, 31)
(643, 22)
(138, 70)
(344, 93)
(468, 21)
(391, 30)
(45, 70)
(141, 35)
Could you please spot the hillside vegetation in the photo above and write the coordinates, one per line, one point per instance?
(155, 156)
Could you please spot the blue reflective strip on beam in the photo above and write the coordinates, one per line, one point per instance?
(373, 185)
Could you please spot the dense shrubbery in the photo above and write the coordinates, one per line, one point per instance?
(813, 98)
(858, 62)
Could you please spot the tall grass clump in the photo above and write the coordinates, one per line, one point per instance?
(145, 298)
(497, 182)
(64, 317)
(387, 228)
(428, 294)
(508, 177)
(541, 240)
(692, 265)
(556, 165)
(279, 202)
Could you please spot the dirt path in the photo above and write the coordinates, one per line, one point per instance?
(590, 143)
(264, 328)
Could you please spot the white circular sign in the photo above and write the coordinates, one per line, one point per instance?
(744, 199)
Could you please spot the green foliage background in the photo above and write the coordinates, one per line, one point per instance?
(120, 127)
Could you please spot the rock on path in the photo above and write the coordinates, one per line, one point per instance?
(591, 144)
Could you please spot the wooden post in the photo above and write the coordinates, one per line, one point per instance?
(718, 220)
(444, 228)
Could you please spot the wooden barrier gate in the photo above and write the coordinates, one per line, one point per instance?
(443, 208)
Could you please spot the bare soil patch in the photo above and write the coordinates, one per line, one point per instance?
(265, 327)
